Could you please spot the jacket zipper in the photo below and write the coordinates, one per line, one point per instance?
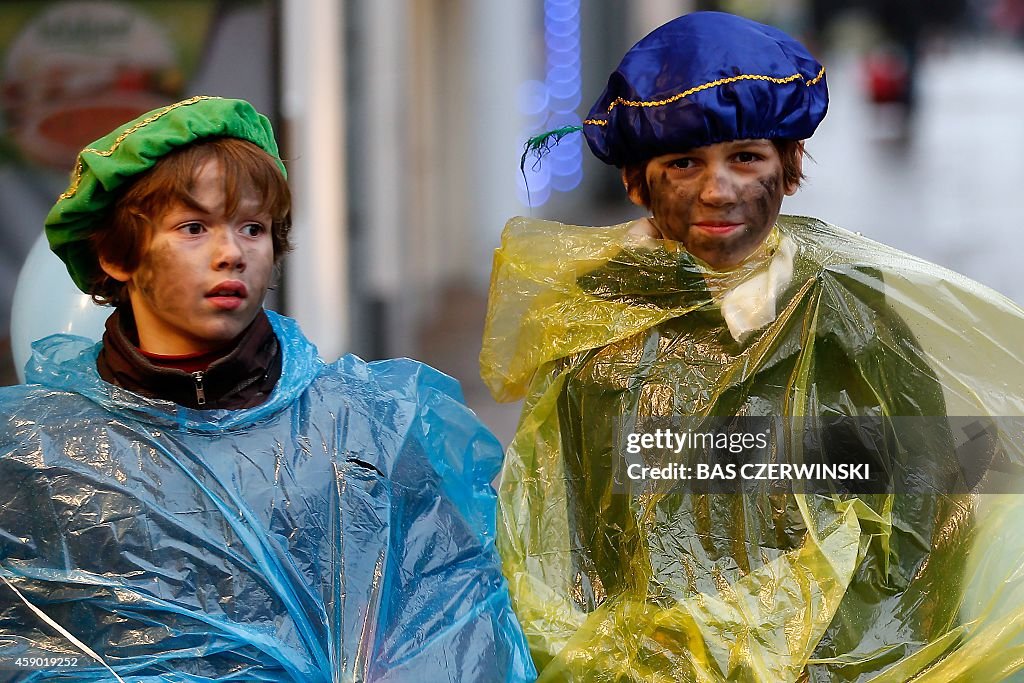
(200, 392)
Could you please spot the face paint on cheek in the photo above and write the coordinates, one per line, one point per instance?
(770, 185)
(143, 281)
(158, 277)
(656, 188)
(768, 201)
(671, 205)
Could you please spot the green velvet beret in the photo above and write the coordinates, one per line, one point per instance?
(108, 164)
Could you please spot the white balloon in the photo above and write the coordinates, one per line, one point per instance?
(46, 302)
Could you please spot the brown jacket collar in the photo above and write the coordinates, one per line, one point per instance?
(243, 378)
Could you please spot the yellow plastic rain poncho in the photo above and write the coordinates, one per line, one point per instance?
(601, 330)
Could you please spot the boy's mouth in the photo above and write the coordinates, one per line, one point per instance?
(229, 288)
(717, 227)
(227, 295)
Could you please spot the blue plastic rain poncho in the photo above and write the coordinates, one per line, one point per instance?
(341, 531)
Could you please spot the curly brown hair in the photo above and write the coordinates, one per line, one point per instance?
(245, 167)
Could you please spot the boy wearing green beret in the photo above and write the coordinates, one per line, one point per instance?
(184, 246)
(200, 495)
(637, 546)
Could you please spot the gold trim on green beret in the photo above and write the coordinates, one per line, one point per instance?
(108, 164)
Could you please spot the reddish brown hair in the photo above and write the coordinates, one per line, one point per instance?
(789, 153)
(244, 166)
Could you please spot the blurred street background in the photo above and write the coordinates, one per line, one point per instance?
(402, 123)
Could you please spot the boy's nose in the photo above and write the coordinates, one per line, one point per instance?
(228, 253)
(717, 188)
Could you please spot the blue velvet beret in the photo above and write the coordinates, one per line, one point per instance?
(703, 78)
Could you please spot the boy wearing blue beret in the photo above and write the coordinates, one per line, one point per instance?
(200, 496)
(635, 551)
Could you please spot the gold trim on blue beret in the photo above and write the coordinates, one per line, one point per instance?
(704, 78)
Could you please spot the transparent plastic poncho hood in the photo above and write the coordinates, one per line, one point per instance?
(599, 330)
(341, 531)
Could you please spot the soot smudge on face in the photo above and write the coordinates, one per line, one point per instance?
(738, 183)
(769, 201)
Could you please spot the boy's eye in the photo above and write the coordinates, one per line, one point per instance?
(747, 157)
(682, 162)
(192, 228)
(253, 229)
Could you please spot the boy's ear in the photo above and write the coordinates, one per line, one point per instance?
(632, 191)
(115, 271)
